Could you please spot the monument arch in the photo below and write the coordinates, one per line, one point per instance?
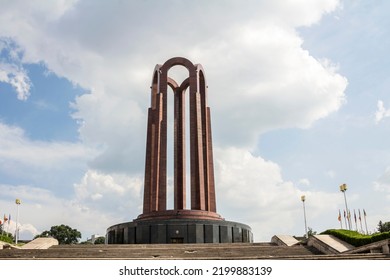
(199, 222)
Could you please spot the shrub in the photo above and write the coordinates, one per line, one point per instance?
(5, 238)
(357, 239)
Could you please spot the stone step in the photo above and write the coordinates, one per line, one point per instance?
(243, 251)
(169, 251)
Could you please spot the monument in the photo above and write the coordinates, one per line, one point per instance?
(199, 223)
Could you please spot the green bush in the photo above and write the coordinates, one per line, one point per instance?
(6, 239)
(357, 239)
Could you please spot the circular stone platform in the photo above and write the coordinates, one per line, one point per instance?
(163, 231)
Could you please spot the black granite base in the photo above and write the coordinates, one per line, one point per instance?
(179, 231)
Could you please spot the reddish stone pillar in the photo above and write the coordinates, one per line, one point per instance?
(201, 159)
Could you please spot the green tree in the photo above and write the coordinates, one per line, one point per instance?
(100, 240)
(63, 233)
(383, 227)
(5, 236)
(311, 232)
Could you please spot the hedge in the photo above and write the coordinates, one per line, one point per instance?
(357, 239)
(6, 239)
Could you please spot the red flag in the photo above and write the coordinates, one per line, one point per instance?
(5, 218)
(339, 217)
(1, 222)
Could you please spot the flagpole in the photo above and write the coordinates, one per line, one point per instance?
(343, 189)
(365, 221)
(349, 220)
(345, 220)
(17, 201)
(6, 231)
(303, 198)
(340, 220)
(4, 223)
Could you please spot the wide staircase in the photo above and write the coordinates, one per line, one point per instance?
(166, 251)
(280, 248)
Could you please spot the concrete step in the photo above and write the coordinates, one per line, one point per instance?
(235, 251)
(167, 251)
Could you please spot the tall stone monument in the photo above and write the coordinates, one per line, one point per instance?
(199, 223)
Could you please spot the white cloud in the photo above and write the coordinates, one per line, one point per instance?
(302, 12)
(265, 81)
(115, 122)
(304, 182)
(12, 72)
(260, 78)
(381, 112)
(95, 185)
(330, 173)
(382, 184)
(18, 149)
(253, 191)
(51, 165)
(40, 209)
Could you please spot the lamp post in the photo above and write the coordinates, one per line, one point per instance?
(303, 198)
(343, 189)
(17, 201)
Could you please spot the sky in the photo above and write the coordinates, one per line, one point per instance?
(298, 91)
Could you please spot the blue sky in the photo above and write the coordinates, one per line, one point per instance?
(46, 114)
(298, 94)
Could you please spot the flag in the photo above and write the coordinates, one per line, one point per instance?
(354, 214)
(339, 218)
(344, 214)
(360, 216)
(364, 212)
(9, 219)
(5, 218)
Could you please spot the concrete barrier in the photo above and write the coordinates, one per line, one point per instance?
(284, 240)
(328, 244)
(5, 245)
(41, 243)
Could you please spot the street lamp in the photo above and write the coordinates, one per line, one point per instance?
(303, 198)
(17, 201)
(343, 189)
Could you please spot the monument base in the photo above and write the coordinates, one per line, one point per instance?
(160, 231)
